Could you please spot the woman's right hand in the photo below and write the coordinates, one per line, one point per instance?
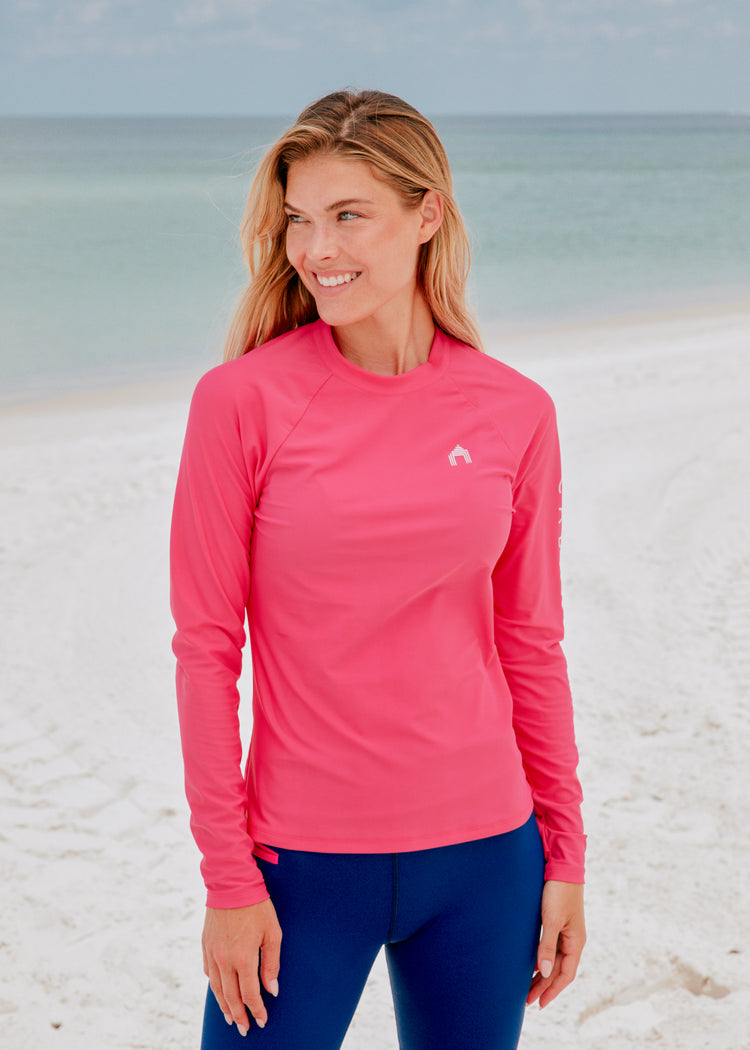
(235, 941)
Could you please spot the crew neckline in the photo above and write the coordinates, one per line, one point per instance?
(405, 382)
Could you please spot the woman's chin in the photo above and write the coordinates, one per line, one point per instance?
(335, 314)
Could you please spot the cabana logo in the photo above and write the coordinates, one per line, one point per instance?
(458, 452)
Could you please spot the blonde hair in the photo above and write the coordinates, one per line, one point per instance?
(401, 147)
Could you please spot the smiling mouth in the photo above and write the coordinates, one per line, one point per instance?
(334, 280)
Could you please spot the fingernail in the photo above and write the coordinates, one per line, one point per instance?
(241, 1029)
(546, 968)
(228, 1019)
(260, 1023)
(274, 987)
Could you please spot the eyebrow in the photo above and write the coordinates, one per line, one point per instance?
(336, 204)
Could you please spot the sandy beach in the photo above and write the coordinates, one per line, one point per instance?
(101, 927)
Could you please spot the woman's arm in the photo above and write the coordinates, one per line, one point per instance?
(528, 633)
(210, 579)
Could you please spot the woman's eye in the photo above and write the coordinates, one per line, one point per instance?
(293, 220)
(348, 215)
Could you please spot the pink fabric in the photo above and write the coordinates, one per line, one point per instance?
(395, 541)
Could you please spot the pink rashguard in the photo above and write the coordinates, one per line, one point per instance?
(394, 541)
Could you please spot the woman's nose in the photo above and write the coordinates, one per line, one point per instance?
(322, 243)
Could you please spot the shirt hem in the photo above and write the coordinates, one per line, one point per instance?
(404, 844)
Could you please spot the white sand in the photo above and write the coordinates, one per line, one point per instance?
(103, 902)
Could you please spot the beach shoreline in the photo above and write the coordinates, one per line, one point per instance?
(545, 337)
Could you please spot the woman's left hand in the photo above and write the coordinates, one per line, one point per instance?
(562, 941)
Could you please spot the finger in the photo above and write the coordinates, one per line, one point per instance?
(539, 984)
(547, 951)
(536, 988)
(214, 977)
(566, 967)
(249, 989)
(231, 995)
(557, 984)
(269, 961)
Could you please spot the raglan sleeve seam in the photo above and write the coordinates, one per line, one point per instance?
(485, 415)
(291, 429)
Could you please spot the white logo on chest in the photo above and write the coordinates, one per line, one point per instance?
(458, 453)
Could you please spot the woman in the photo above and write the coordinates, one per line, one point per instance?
(382, 499)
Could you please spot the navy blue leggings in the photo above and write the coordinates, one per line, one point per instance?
(460, 925)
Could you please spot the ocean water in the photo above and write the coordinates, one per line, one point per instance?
(119, 255)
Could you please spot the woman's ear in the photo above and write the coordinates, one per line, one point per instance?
(431, 210)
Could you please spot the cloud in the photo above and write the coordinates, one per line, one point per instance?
(615, 31)
(93, 12)
(70, 27)
(493, 31)
(125, 27)
(396, 30)
(727, 28)
(213, 12)
(663, 53)
(541, 22)
(578, 22)
(586, 7)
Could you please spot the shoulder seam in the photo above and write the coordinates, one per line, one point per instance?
(484, 414)
(272, 456)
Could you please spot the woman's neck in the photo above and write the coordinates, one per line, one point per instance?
(389, 346)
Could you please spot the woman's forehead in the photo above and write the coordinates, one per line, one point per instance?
(334, 178)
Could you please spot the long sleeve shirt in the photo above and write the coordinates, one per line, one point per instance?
(393, 544)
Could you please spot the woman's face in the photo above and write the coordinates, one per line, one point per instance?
(353, 242)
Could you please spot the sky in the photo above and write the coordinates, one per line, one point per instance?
(236, 57)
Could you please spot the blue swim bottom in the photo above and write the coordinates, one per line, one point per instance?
(460, 925)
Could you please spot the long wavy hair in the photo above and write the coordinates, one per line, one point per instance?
(402, 148)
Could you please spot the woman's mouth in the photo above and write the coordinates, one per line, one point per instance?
(334, 279)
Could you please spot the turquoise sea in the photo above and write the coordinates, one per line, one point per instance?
(119, 255)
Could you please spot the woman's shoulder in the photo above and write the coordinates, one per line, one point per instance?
(282, 367)
(495, 385)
